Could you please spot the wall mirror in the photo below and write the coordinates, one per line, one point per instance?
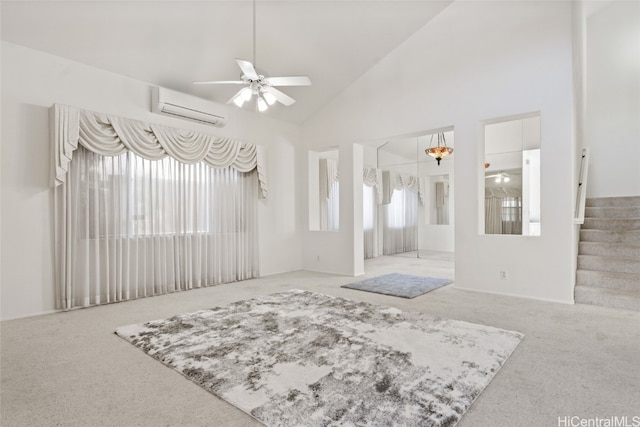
(408, 197)
(512, 176)
(324, 190)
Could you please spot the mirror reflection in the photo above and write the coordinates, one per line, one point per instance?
(512, 177)
(438, 198)
(407, 197)
(324, 190)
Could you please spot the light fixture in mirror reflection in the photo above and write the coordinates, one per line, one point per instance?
(512, 176)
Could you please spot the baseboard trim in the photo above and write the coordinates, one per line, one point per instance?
(504, 294)
(25, 316)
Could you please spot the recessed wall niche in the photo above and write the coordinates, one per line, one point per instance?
(512, 176)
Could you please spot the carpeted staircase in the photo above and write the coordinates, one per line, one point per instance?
(609, 254)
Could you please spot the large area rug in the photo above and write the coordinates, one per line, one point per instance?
(399, 285)
(300, 358)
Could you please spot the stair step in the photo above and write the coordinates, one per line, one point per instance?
(603, 279)
(612, 212)
(609, 263)
(613, 201)
(613, 236)
(624, 250)
(611, 223)
(607, 297)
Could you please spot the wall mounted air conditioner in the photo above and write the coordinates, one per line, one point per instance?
(181, 105)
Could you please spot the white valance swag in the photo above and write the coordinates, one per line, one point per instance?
(392, 180)
(109, 135)
(328, 177)
(372, 177)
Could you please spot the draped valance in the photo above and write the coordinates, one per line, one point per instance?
(328, 175)
(398, 181)
(502, 192)
(109, 135)
(372, 177)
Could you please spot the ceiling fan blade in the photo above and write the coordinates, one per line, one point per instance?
(281, 97)
(247, 69)
(220, 82)
(289, 81)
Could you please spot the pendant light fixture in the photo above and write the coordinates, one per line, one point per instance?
(441, 150)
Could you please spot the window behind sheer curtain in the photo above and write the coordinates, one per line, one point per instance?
(400, 223)
(138, 228)
(369, 221)
(330, 209)
(512, 215)
(329, 203)
(512, 209)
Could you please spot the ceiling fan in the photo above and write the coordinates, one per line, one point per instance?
(501, 176)
(257, 85)
(260, 86)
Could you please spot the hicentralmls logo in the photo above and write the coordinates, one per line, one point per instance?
(616, 421)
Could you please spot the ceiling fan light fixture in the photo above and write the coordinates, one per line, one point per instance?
(238, 100)
(269, 98)
(501, 177)
(262, 104)
(245, 93)
(441, 150)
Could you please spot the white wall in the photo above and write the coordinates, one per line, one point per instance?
(342, 251)
(613, 100)
(474, 62)
(31, 82)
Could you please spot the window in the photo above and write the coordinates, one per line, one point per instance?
(137, 228)
(131, 196)
(401, 222)
(512, 209)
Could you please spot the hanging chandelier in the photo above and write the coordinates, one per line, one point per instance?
(441, 150)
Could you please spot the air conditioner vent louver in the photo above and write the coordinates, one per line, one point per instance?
(165, 101)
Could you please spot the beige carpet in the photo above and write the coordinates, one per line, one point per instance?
(71, 369)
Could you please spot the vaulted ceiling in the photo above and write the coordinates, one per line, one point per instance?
(172, 43)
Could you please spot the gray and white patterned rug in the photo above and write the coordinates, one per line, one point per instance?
(399, 285)
(300, 358)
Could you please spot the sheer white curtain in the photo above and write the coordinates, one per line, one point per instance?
(400, 222)
(329, 195)
(130, 227)
(493, 215)
(442, 203)
(512, 215)
(503, 210)
(126, 227)
(371, 198)
(370, 221)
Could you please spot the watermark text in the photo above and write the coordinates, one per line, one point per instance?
(614, 421)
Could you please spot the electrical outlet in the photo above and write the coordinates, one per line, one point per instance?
(318, 258)
(503, 274)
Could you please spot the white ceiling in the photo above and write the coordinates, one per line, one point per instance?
(172, 43)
